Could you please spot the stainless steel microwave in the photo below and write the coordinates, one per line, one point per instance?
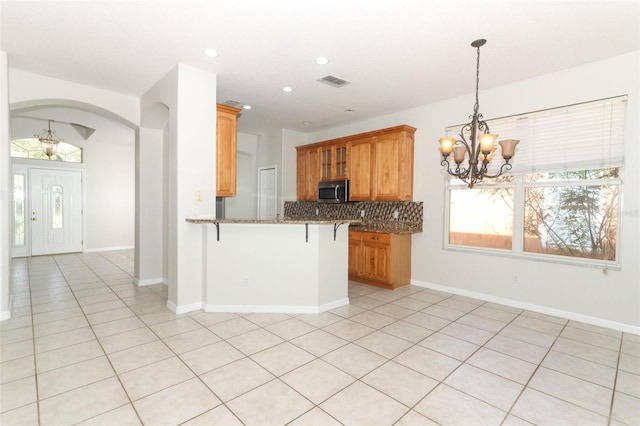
(333, 191)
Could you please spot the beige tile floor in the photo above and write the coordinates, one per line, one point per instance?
(85, 346)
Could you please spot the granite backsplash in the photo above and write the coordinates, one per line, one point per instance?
(378, 215)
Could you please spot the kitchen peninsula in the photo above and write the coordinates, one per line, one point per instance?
(291, 265)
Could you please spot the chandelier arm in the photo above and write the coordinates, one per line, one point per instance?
(504, 168)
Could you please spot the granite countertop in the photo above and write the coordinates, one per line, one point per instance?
(286, 220)
(385, 226)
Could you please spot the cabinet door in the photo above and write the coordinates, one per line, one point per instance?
(326, 162)
(226, 150)
(361, 157)
(302, 174)
(375, 264)
(313, 174)
(307, 174)
(341, 156)
(393, 170)
(355, 247)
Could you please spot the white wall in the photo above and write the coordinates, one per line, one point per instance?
(190, 96)
(244, 204)
(577, 292)
(6, 197)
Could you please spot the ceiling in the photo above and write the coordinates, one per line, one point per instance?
(396, 54)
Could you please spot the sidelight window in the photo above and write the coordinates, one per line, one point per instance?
(19, 212)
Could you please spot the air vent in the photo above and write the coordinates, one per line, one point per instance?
(233, 103)
(334, 81)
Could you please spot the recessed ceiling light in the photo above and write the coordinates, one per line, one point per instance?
(306, 123)
(287, 89)
(246, 107)
(322, 60)
(211, 53)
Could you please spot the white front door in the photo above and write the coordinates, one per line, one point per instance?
(56, 211)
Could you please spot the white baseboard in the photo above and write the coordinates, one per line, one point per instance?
(108, 249)
(149, 281)
(627, 328)
(280, 309)
(184, 308)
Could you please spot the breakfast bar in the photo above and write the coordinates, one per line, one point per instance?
(288, 265)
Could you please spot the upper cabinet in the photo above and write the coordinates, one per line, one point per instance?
(360, 166)
(226, 150)
(333, 161)
(393, 166)
(308, 173)
(378, 164)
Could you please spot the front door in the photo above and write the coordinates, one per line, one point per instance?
(56, 211)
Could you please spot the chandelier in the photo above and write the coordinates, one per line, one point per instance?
(478, 144)
(49, 141)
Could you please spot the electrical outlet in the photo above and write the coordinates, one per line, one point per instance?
(396, 214)
(245, 281)
(515, 279)
(198, 195)
(362, 214)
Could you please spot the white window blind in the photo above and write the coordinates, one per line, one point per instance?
(587, 135)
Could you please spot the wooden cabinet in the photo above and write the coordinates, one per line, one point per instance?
(226, 150)
(308, 173)
(380, 259)
(333, 161)
(361, 163)
(378, 164)
(393, 167)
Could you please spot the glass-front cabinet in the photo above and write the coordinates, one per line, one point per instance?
(333, 162)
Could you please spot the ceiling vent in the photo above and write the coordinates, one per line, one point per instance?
(334, 81)
(233, 103)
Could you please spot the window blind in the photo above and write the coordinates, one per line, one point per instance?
(586, 135)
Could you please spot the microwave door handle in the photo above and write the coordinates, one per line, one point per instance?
(337, 193)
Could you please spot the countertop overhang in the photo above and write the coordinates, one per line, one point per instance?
(297, 220)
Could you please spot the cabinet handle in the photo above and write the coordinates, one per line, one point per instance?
(375, 238)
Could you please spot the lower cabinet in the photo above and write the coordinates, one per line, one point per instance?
(380, 259)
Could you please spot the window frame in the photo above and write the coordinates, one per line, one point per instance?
(517, 245)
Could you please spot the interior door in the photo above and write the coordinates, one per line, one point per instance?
(267, 193)
(56, 211)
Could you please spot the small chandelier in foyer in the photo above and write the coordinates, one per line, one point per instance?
(49, 141)
(478, 144)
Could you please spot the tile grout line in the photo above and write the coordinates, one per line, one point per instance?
(97, 339)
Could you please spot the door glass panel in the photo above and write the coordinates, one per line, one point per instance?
(18, 210)
(56, 207)
(341, 161)
(326, 163)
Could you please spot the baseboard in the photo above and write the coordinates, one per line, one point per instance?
(627, 328)
(149, 281)
(273, 309)
(108, 249)
(178, 310)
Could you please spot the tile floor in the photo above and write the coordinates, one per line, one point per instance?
(84, 346)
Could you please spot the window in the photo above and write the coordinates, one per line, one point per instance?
(30, 148)
(19, 213)
(562, 200)
(56, 207)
